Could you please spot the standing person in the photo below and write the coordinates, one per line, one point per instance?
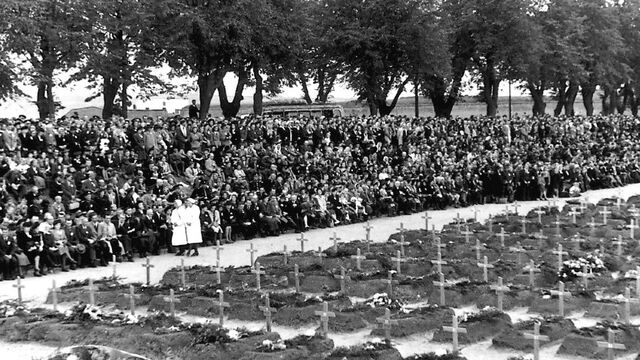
(194, 231)
(178, 221)
(194, 112)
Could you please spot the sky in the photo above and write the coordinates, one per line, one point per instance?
(73, 96)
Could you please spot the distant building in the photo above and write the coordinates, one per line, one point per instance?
(91, 111)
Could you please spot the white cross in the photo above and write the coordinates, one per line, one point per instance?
(441, 284)
(399, 260)
(172, 300)
(500, 289)
(148, 265)
(466, 233)
(583, 205)
(558, 223)
(619, 244)
(92, 293)
(561, 295)
(426, 218)
(560, 253)
(586, 274)
(593, 225)
(478, 248)
(221, 304)
(386, 323)
(218, 269)
(454, 330)
(577, 240)
(516, 206)
(325, 314)
(490, 224)
(183, 274)
(335, 240)
(540, 212)
(267, 310)
(524, 221)
(219, 249)
(320, 254)
(632, 226)
(251, 252)
(132, 296)
(402, 244)
(536, 337)
(358, 257)
(285, 256)
(458, 221)
(367, 238)
(611, 345)
(297, 275)
(343, 279)
(54, 295)
(627, 305)
(439, 262)
(532, 274)
(573, 214)
(518, 249)
(302, 240)
(604, 213)
(258, 271)
(485, 267)
(501, 235)
(475, 213)
(390, 282)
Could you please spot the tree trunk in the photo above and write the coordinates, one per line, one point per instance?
(124, 100)
(562, 97)
(570, 99)
(305, 89)
(41, 100)
(613, 101)
(231, 109)
(326, 78)
(386, 109)
(491, 85)
(587, 97)
(257, 95)
(109, 92)
(416, 98)
(537, 95)
(208, 82)
(628, 98)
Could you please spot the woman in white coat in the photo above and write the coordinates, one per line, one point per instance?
(179, 223)
(194, 230)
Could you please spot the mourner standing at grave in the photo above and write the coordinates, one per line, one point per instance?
(192, 222)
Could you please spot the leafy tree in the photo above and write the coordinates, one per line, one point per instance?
(628, 13)
(48, 35)
(8, 78)
(117, 55)
(502, 34)
(379, 57)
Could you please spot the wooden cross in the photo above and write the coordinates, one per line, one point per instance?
(402, 244)
(524, 221)
(172, 300)
(458, 220)
(540, 212)
(485, 267)
(401, 229)
(516, 206)
(218, 270)
(619, 244)
(592, 225)
(560, 253)
(426, 218)
(320, 254)
(267, 310)
(297, 275)
(490, 224)
(132, 296)
(536, 337)
(258, 271)
(183, 274)
(586, 274)
(627, 305)
(386, 323)
(399, 260)
(618, 202)
(343, 277)
(148, 265)
(454, 330)
(540, 237)
(501, 235)
(506, 211)
(558, 223)
(553, 202)
(466, 233)
(358, 257)
(54, 295)
(390, 282)
(302, 240)
(325, 314)
(18, 285)
(532, 274)
(92, 293)
(573, 214)
(439, 262)
(367, 234)
(561, 295)
(251, 252)
(221, 304)
(285, 256)
(335, 240)
(632, 226)
(114, 274)
(611, 345)
(583, 205)
(518, 249)
(478, 248)
(218, 249)
(500, 289)
(475, 213)
(604, 213)
(577, 240)
(438, 244)
(441, 284)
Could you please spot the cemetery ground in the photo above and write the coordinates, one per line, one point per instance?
(486, 283)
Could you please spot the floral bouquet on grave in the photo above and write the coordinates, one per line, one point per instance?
(574, 268)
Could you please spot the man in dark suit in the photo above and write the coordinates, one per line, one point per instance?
(183, 135)
(194, 112)
(8, 259)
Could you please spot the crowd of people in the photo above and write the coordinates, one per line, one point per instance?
(84, 192)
